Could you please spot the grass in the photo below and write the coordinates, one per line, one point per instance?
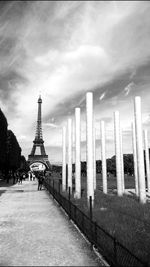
(123, 217)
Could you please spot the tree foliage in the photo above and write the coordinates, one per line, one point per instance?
(13, 151)
(10, 151)
(111, 165)
(24, 166)
(3, 139)
(128, 163)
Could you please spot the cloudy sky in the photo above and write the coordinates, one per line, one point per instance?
(61, 50)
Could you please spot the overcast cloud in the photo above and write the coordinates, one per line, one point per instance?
(61, 50)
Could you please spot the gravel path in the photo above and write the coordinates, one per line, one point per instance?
(35, 232)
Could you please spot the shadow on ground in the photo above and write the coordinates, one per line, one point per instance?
(2, 192)
(3, 183)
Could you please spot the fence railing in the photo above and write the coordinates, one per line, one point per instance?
(112, 250)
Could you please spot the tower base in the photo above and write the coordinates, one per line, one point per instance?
(39, 158)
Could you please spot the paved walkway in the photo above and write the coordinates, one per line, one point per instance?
(34, 231)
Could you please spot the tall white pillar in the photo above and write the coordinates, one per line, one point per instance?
(135, 160)
(77, 154)
(70, 154)
(64, 159)
(147, 160)
(94, 157)
(118, 153)
(122, 162)
(89, 141)
(139, 145)
(103, 156)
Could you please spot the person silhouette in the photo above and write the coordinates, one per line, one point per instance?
(40, 181)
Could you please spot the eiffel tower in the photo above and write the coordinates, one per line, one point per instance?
(39, 142)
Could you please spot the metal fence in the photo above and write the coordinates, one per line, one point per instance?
(112, 250)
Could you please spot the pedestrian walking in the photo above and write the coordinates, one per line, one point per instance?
(14, 177)
(29, 175)
(20, 178)
(40, 181)
(33, 176)
(8, 177)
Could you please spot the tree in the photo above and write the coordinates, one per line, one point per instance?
(128, 163)
(10, 151)
(83, 167)
(24, 166)
(13, 152)
(3, 140)
(111, 165)
(98, 166)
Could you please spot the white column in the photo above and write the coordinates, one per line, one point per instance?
(64, 159)
(135, 159)
(118, 152)
(122, 162)
(139, 145)
(77, 154)
(70, 154)
(103, 156)
(147, 160)
(89, 141)
(94, 158)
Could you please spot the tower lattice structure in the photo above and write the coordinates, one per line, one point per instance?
(38, 141)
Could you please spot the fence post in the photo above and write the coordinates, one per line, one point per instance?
(75, 213)
(49, 185)
(83, 222)
(60, 197)
(59, 187)
(115, 251)
(53, 189)
(69, 193)
(69, 203)
(91, 222)
(91, 214)
(95, 232)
